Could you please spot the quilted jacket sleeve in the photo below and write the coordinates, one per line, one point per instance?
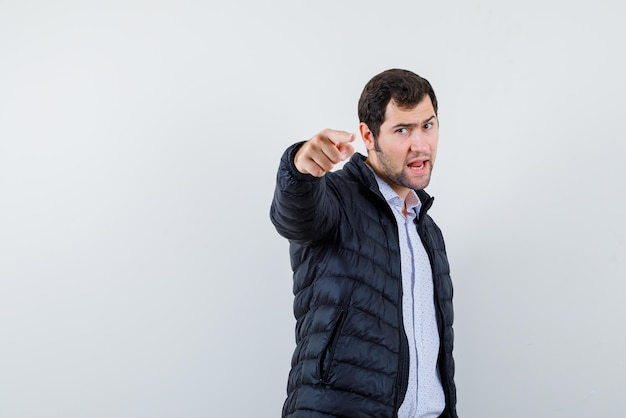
(305, 207)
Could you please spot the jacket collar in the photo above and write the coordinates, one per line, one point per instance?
(358, 169)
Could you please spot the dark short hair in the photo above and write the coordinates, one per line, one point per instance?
(406, 89)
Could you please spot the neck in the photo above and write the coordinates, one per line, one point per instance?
(403, 192)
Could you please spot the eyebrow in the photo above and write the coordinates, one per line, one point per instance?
(412, 125)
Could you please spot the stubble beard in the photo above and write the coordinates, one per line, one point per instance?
(402, 177)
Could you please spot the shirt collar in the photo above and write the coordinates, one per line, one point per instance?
(393, 199)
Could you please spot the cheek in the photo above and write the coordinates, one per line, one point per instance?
(399, 151)
(434, 151)
(433, 145)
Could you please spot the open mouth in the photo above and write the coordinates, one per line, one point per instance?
(418, 165)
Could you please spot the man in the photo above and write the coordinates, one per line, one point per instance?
(373, 294)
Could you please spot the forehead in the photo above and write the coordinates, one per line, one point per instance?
(420, 112)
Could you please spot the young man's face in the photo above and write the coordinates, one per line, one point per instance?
(405, 151)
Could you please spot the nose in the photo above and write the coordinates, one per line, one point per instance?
(419, 143)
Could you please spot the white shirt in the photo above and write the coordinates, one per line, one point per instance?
(424, 396)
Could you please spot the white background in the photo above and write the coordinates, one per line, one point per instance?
(140, 275)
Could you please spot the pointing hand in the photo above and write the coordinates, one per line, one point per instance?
(319, 154)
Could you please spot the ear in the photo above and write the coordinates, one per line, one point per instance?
(367, 135)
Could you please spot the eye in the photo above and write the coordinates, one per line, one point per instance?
(402, 130)
(428, 125)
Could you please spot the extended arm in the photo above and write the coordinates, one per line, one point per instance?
(304, 208)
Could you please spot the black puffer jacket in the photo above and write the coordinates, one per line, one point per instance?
(351, 357)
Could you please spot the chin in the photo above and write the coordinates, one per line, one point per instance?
(421, 185)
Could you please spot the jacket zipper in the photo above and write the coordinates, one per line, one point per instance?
(403, 360)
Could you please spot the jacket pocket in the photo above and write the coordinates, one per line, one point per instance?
(328, 354)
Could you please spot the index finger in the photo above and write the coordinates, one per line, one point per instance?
(338, 137)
